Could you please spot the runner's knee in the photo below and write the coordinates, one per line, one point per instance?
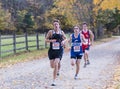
(56, 62)
(52, 65)
(73, 62)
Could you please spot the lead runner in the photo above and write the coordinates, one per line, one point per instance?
(57, 39)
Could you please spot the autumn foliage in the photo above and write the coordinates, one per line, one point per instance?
(42, 13)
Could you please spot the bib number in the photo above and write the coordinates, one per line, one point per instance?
(56, 45)
(86, 42)
(76, 48)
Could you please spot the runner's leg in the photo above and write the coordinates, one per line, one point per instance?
(52, 63)
(77, 66)
(59, 66)
(73, 61)
(85, 59)
(56, 61)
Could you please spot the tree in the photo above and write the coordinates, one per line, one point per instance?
(19, 21)
(62, 10)
(104, 14)
(5, 19)
(28, 22)
(115, 20)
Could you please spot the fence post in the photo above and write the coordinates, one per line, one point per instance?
(45, 41)
(0, 46)
(26, 40)
(14, 42)
(37, 40)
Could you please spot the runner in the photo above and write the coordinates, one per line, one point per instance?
(76, 53)
(89, 38)
(57, 39)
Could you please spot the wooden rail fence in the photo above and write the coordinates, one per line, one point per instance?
(37, 43)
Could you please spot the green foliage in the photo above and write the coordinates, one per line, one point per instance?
(62, 10)
(4, 19)
(116, 15)
(19, 21)
(109, 18)
(69, 12)
(28, 22)
(115, 20)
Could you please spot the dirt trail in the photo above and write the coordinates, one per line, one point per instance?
(38, 75)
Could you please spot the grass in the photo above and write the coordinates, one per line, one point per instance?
(21, 39)
(23, 56)
(39, 54)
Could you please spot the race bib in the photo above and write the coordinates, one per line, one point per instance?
(76, 48)
(56, 45)
(86, 41)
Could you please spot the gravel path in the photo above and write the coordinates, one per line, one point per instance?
(37, 74)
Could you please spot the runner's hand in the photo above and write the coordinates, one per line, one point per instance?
(68, 48)
(63, 43)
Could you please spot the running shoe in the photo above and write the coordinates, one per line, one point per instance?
(76, 77)
(88, 62)
(53, 84)
(58, 73)
(85, 65)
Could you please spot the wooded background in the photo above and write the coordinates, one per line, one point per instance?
(102, 16)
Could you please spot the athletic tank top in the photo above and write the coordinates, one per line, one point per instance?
(59, 38)
(76, 45)
(87, 37)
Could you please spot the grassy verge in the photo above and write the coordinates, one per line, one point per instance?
(22, 57)
(100, 41)
(37, 54)
(21, 43)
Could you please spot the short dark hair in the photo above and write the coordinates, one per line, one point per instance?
(56, 20)
(84, 23)
(76, 26)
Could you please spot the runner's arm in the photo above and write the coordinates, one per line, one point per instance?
(64, 38)
(48, 36)
(91, 36)
(69, 42)
(83, 38)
